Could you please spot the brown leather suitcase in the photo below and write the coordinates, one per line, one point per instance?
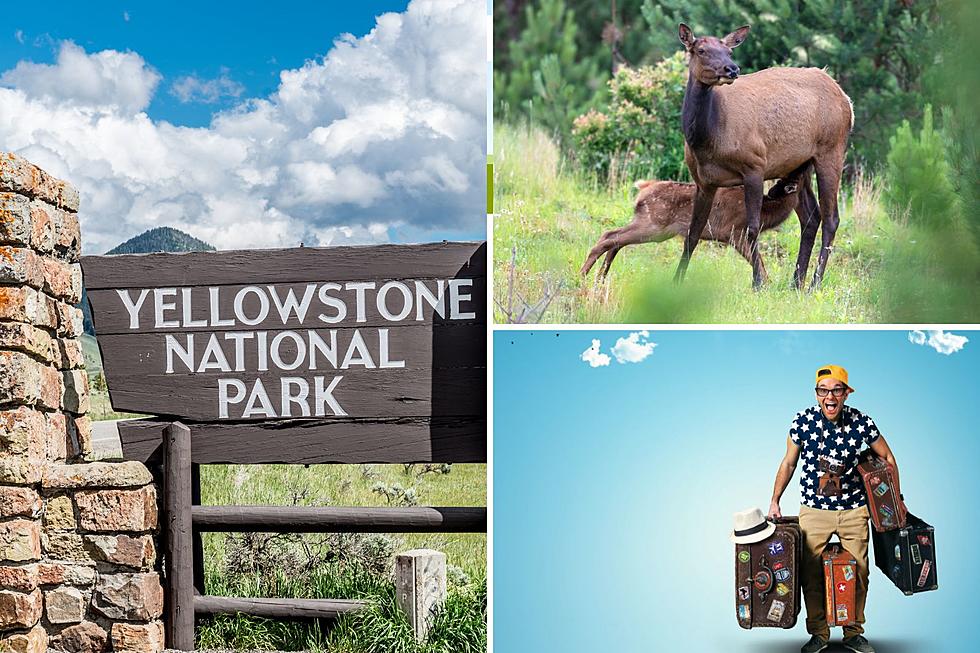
(840, 582)
(885, 506)
(767, 578)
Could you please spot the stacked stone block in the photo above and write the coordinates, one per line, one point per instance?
(77, 553)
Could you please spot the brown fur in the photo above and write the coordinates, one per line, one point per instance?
(662, 210)
(744, 130)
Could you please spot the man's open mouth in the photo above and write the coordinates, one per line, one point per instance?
(830, 405)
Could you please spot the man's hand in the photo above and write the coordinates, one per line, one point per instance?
(774, 511)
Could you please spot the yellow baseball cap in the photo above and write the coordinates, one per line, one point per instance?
(833, 372)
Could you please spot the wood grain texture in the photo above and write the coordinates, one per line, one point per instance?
(292, 265)
(276, 608)
(298, 519)
(338, 440)
(179, 543)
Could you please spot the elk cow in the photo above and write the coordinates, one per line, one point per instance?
(662, 210)
(761, 127)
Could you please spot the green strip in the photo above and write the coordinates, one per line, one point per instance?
(490, 184)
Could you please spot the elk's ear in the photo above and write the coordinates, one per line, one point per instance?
(686, 35)
(735, 38)
(790, 188)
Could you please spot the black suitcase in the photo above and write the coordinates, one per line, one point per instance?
(908, 555)
(767, 578)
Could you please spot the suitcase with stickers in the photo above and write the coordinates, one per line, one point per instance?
(767, 578)
(884, 504)
(840, 585)
(908, 556)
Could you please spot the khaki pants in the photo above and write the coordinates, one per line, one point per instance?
(851, 526)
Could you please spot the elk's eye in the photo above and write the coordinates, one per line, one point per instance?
(700, 50)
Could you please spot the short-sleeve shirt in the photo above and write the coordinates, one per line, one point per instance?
(825, 445)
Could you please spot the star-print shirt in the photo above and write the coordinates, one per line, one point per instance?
(825, 448)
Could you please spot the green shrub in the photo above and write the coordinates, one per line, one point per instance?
(639, 133)
(919, 175)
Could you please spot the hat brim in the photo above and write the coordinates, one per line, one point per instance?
(754, 537)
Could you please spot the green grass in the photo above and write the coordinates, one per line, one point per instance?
(548, 217)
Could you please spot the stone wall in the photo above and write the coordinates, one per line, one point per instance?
(77, 552)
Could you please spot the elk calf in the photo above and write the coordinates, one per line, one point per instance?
(663, 210)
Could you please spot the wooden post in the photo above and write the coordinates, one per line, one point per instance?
(420, 582)
(180, 544)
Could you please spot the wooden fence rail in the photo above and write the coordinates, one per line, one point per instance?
(296, 519)
(185, 520)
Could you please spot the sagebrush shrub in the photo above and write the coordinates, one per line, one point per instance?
(639, 132)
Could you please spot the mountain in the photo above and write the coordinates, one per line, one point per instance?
(159, 239)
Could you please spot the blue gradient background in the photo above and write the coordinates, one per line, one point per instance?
(614, 487)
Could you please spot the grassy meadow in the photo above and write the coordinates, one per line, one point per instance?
(339, 566)
(548, 216)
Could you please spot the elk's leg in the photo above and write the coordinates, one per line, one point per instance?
(808, 213)
(828, 185)
(606, 262)
(741, 245)
(703, 199)
(605, 242)
(753, 216)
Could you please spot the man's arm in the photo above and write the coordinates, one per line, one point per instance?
(880, 447)
(783, 476)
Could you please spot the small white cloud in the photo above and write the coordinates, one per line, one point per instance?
(107, 79)
(942, 341)
(594, 357)
(633, 348)
(19, 35)
(126, 16)
(192, 88)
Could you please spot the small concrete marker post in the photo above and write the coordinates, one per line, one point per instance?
(420, 579)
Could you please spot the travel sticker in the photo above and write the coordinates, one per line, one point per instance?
(924, 575)
(848, 572)
(744, 556)
(841, 587)
(744, 593)
(775, 548)
(881, 490)
(763, 580)
(743, 613)
(782, 575)
(782, 590)
(916, 556)
(841, 613)
(924, 540)
(776, 611)
(898, 553)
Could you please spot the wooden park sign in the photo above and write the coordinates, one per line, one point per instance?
(348, 354)
(345, 354)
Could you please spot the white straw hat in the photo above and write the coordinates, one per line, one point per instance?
(751, 527)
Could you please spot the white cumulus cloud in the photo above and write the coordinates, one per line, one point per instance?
(107, 79)
(942, 341)
(594, 357)
(384, 133)
(192, 88)
(633, 348)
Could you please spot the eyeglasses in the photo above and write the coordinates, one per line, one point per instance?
(823, 392)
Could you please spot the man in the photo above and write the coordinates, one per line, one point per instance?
(829, 438)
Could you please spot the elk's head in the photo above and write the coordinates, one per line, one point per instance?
(710, 58)
(783, 188)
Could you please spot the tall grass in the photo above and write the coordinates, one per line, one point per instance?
(552, 216)
(342, 566)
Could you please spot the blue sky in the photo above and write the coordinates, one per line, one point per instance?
(247, 42)
(614, 486)
(249, 125)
